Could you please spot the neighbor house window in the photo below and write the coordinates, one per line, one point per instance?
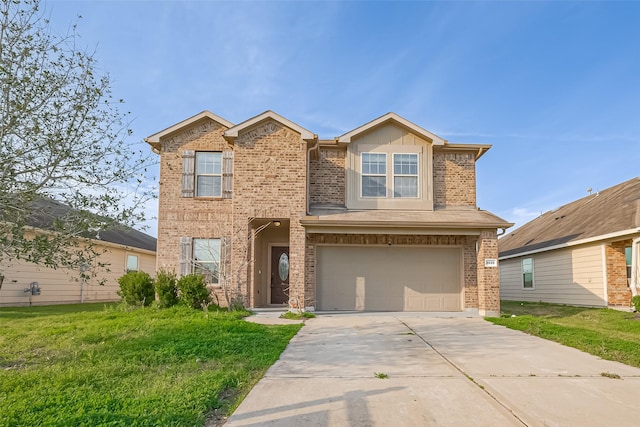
(206, 258)
(405, 175)
(527, 273)
(132, 263)
(627, 253)
(208, 174)
(374, 175)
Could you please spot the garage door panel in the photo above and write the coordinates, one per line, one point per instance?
(388, 278)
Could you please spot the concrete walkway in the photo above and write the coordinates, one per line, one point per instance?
(441, 372)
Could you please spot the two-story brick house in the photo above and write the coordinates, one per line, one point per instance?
(382, 218)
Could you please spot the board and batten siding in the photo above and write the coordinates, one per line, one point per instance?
(62, 286)
(564, 276)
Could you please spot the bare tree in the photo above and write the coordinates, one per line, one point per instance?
(62, 138)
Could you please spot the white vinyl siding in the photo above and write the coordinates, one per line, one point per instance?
(564, 276)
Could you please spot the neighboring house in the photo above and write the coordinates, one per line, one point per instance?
(382, 218)
(121, 248)
(583, 253)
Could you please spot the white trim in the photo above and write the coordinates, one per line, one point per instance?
(605, 284)
(613, 235)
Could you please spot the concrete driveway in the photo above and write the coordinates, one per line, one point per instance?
(441, 372)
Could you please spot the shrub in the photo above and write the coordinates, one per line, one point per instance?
(636, 302)
(136, 288)
(166, 289)
(193, 291)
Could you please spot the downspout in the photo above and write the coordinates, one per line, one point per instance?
(313, 147)
(635, 269)
(504, 230)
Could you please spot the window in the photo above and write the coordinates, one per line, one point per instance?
(206, 258)
(208, 174)
(527, 273)
(627, 254)
(405, 175)
(132, 263)
(374, 175)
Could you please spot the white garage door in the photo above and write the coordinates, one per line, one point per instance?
(389, 278)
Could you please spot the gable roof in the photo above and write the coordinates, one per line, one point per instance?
(154, 140)
(393, 118)
(45, 211)
(232, 133)
(614, 212)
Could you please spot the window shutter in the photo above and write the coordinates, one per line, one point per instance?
(186, 253)
(227, 174)
(188, 172)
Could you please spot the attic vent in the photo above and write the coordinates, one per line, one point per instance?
(560, 217)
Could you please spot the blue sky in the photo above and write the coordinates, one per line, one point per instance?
(553, 86)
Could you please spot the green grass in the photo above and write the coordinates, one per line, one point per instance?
(609, 334)
(297, 316)
(99, 365)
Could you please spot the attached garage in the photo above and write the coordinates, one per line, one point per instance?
(389, 278)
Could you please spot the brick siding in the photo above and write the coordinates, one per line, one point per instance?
(454, 179)
(327, 177)
(618, 291)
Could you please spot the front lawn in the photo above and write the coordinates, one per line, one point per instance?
(97, 364)
(606, 333)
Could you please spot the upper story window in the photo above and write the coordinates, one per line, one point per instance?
(389, 167)
(374, 175)
(208, 174)
(405, 175)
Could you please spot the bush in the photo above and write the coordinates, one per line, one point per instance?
(166, 289)
(636, 302)
(193, 291)
(136, 288)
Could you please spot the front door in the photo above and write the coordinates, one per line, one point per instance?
(279, 275)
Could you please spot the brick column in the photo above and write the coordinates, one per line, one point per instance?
(618, 291)
(488, 277)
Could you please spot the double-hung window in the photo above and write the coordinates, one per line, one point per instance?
(527, 273)
(374, 175)
(405, 175)
(206, 259)
(208, 174)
